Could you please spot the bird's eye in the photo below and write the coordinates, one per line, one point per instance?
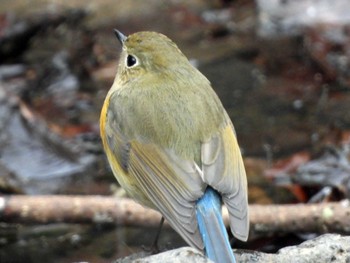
(131, 61)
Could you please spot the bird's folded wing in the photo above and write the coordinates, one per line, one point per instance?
(223, 169)
(172, 184)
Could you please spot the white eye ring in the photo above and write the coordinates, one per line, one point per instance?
(131, 61)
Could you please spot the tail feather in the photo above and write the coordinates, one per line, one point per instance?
(212, 228)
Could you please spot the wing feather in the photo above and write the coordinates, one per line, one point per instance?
(172, 190)
(223, 169)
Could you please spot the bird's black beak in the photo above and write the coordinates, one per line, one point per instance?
(121, 37)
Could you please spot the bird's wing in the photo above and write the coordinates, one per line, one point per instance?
(171, 183)
(223, 169)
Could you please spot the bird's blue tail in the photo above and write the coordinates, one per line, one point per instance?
(212, 228)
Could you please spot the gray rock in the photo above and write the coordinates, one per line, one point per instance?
(325, 248)
(179, 255)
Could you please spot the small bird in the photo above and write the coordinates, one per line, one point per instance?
(172, 146)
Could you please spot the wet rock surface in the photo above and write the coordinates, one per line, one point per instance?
(326, 248)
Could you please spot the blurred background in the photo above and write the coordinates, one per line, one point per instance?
(280, 68)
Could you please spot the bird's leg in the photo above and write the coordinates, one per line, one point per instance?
(155, 243)
(154, 249)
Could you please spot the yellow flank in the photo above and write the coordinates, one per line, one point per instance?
(123, 177)
(103, 122)
(103, 118)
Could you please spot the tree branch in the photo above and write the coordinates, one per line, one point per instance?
(264, 219)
